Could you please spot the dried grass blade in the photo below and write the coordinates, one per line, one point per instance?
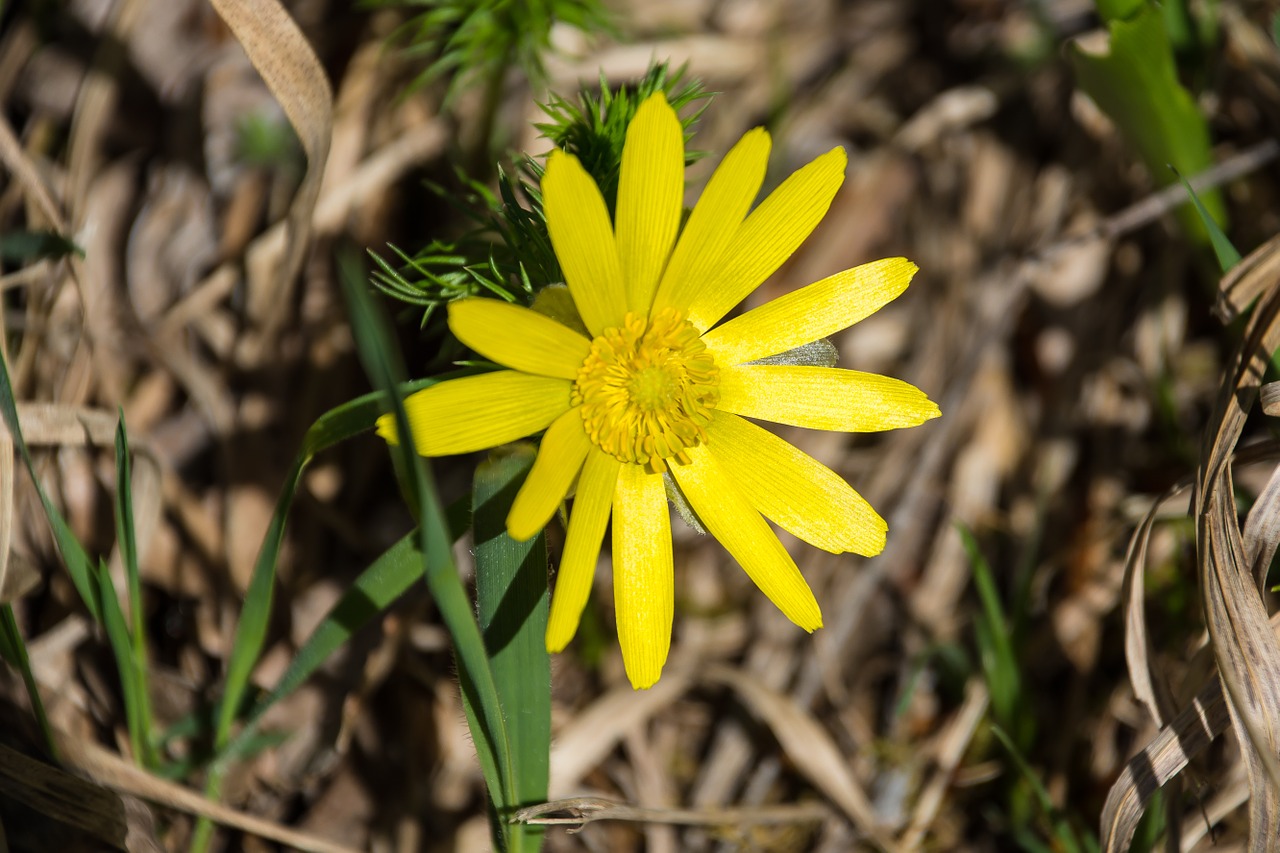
(289, 66)
(1164, 758)
(1262, 529)
(1148, 690)
(1246, 651)
(1248, 279)
(1248, 663)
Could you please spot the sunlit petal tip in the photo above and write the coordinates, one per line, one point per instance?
(642, 678)
(643, 585)
(587, 521)
(650, 198)
(560, 458)
(770, 235)
(386, 429)
(523, 524)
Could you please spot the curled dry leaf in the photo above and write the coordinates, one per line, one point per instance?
(1244, 645)
(289, 66)
(1162, 760)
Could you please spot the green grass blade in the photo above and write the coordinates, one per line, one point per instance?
(73, 554)
(126, 536)
(1064, 835)
(14, 650)
(512, 599)
(377, 588)
(117, 629)
(1227, 255)
(371, 332)
(998, 659)
(336, 425)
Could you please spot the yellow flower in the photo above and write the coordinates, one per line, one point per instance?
(658, 386)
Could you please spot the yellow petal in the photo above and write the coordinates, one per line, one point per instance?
(518, 338)
(478, 412)
(560, 457)
(582, 237)
(715, 220)
(581, 548)
(793, 490)
(643, 587)
(823, 398)
(650, 198)
(810, 313)
(746, 535)
(772, 232)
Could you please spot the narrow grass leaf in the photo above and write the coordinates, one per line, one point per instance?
(113, 622)
(998, 660)
(1227, 254)
(377, 588)
(334, 426)
(512, 600)
(474, 670)
(14, 650)
(127, 540)
(73, 554)
(1063, 834)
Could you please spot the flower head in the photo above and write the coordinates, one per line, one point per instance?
(656, 386)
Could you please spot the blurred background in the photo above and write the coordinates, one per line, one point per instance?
(970, 689)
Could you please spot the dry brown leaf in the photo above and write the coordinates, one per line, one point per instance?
(1162, 759)
(116, 773)
(1246, 650)
(1149, 690)
(289, 66)
(1262, 529)
(1247, 279)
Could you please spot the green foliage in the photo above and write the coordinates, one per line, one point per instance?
(490, 730)
(93, 582)
(1065, 834)
(1029, 811)
(1000, 666)
(1226, 252)
(507, 252)
(594, 127)
(346, 421)
(14, 651)
(512, 601)
(268, 142)
(28, 246)
(466, 39)
(133, 636)
(1136, 84)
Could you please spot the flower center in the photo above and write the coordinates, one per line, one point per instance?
(647, 389)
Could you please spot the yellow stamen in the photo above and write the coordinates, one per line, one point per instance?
(647, 389)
